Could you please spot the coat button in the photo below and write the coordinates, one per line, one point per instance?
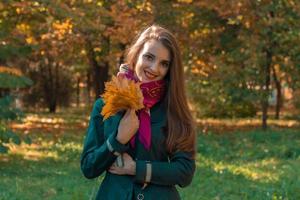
(140, 196)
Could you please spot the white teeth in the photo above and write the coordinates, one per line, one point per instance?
(149, 75)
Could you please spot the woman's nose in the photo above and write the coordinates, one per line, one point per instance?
(154, 66)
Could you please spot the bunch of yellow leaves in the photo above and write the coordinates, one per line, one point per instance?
(121, 94)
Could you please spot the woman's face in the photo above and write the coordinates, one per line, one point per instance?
(152, 62)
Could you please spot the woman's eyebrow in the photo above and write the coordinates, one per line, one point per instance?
(151, 54)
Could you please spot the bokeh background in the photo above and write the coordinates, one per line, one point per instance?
(242, 65)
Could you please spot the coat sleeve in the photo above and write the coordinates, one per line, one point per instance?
(179, 171)
(99, 152)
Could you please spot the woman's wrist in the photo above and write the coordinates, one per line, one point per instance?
(123, 138)
(122, 141)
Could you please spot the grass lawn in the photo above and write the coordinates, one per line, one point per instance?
(233, 165)
(247, 165)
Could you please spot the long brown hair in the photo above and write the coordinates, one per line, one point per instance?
(180, 123)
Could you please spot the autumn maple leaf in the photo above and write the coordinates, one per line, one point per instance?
(121, 94)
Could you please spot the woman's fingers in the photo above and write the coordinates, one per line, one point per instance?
(126, 157)
(128, 168)
(116, 170)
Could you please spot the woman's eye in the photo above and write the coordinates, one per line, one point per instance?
(148, 57)
(165, 64)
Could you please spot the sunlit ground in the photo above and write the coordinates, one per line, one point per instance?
(232, 165)
(219, 126)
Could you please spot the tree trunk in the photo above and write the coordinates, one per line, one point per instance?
(49, 85)
(99, 71)
(52, 106)
(56, 86)
(52, 95)
(278, 94)
(49, 90)
(78, 91)
(100, 77)
(100, 74)
(88, 85)
(266, 89)
(267, 74)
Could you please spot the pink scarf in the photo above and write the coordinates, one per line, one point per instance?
(153, 92)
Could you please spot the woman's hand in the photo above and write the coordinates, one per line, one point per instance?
(127, 169)
(128, 126)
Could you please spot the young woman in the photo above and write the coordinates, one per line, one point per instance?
(157, 143)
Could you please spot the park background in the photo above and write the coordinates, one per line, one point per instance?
(242, 65)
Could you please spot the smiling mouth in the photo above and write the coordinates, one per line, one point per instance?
(149, 75)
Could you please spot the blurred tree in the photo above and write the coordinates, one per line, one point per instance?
(242, 44)
(31, 24)
(65, 35)
(103, 28)
(234, 52)
(10, 78)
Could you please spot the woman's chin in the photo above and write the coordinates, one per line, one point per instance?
(147, 80)
(144, 79)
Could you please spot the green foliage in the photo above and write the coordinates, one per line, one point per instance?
(224, 94)
(7, 136)
(230, 40)
(7, 113)
(10, 51)
(12, 81)
(231, 47)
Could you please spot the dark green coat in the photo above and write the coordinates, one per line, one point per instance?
(167, 170)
